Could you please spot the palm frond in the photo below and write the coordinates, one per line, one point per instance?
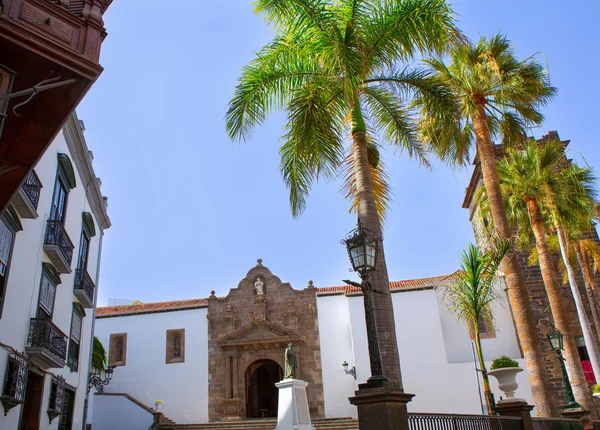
(99, 360)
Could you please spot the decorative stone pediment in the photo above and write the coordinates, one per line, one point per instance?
(260, 334)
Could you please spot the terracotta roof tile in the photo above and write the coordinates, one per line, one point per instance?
(394, 285)
(143, 308)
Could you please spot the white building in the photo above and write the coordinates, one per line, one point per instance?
(204, 359)
(50, 248)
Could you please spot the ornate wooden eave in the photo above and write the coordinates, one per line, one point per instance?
(43, 42)
(260, 334)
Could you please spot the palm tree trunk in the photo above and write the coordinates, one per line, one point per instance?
(581, 390)
(517, 289)
(586, 329)
(369, 218)
(584, 263)
(487, 391)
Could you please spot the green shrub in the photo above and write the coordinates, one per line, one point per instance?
(595, 388)
(502, 362)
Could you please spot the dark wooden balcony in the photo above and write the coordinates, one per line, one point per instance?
(27, 197)
(84, 288)
(49, 60)
(47, 344)
(58, 246)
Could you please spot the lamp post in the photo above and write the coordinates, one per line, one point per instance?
(556, 339)
(351, 372)
(99, 379)
(361, 245)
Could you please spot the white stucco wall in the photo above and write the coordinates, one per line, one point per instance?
(183, 387)
(435, 353)
(122, 414)
(24, 281)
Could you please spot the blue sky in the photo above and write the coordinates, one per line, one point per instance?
(192, 211)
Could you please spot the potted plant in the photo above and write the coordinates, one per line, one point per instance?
(596, 390)
(505, 370)
(157, 405)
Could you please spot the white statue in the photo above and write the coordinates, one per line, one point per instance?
(258, 287)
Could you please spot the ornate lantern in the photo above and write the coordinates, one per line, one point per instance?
(556, 338)
(361, 245)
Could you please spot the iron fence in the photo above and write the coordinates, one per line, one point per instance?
(462, 422)
(32, 188)
(83, 282)
(43, 333)
(57, 235)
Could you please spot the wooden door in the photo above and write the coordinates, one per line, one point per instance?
(32, 406)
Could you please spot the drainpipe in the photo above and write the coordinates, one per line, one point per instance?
(87, 393)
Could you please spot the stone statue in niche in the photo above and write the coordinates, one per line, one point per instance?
(259, 287)
(290, 363)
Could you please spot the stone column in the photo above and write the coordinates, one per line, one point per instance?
(236, 377)
(516, 409)
(381, 406)
(260, 307)
(227, 377)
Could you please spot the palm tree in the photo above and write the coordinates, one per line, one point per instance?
(471, 297)
(99, 359)
(497, 95)
(587, 252)
(332, 67)
(535, 183)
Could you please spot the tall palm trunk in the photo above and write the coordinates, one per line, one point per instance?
(487, 391)
(586, 329)
(584, 263)
(581, 390)
(518, 295)
(369, 218)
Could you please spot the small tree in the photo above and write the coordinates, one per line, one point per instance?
(470, 296)
(99, 360)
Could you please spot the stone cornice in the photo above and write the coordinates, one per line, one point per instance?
(83, 162)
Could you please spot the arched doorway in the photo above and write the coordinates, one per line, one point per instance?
(261, 392)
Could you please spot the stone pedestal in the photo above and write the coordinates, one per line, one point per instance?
(381, 406)
(293, 406)
(518, 408)
(574, 413)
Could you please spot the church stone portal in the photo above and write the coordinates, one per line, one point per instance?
(248, 332)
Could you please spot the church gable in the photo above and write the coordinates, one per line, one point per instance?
(251, 327)
(260, 330)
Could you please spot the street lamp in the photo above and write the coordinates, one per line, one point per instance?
(99, 379)
(351, 372)
(556, 339)
(361, 245)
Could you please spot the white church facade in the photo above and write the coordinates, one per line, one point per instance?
(217, 358)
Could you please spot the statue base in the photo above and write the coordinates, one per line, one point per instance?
(381, 406)
(293, 413)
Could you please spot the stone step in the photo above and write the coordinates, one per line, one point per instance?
(265, 424)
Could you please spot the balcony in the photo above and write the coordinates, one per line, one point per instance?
(58, 246)
(27, 197)
(84, 288)
(46, 345)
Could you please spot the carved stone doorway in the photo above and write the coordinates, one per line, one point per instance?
(261, 393)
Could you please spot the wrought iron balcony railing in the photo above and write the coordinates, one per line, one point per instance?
(48, 339)
(32, 187)
(58, 246)
(84, 288)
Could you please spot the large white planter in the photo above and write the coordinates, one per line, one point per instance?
(507, 380)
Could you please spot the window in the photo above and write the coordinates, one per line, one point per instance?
(87, 232)
(50, 279)
(65, 181)
(9, 225)
(75, 337)
(117, 351)
(175, 346)
(57, 394)
(66, 416)
(15, 380)
(486, 329)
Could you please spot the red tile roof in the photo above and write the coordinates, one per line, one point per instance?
(144, 308)
(394, 285)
